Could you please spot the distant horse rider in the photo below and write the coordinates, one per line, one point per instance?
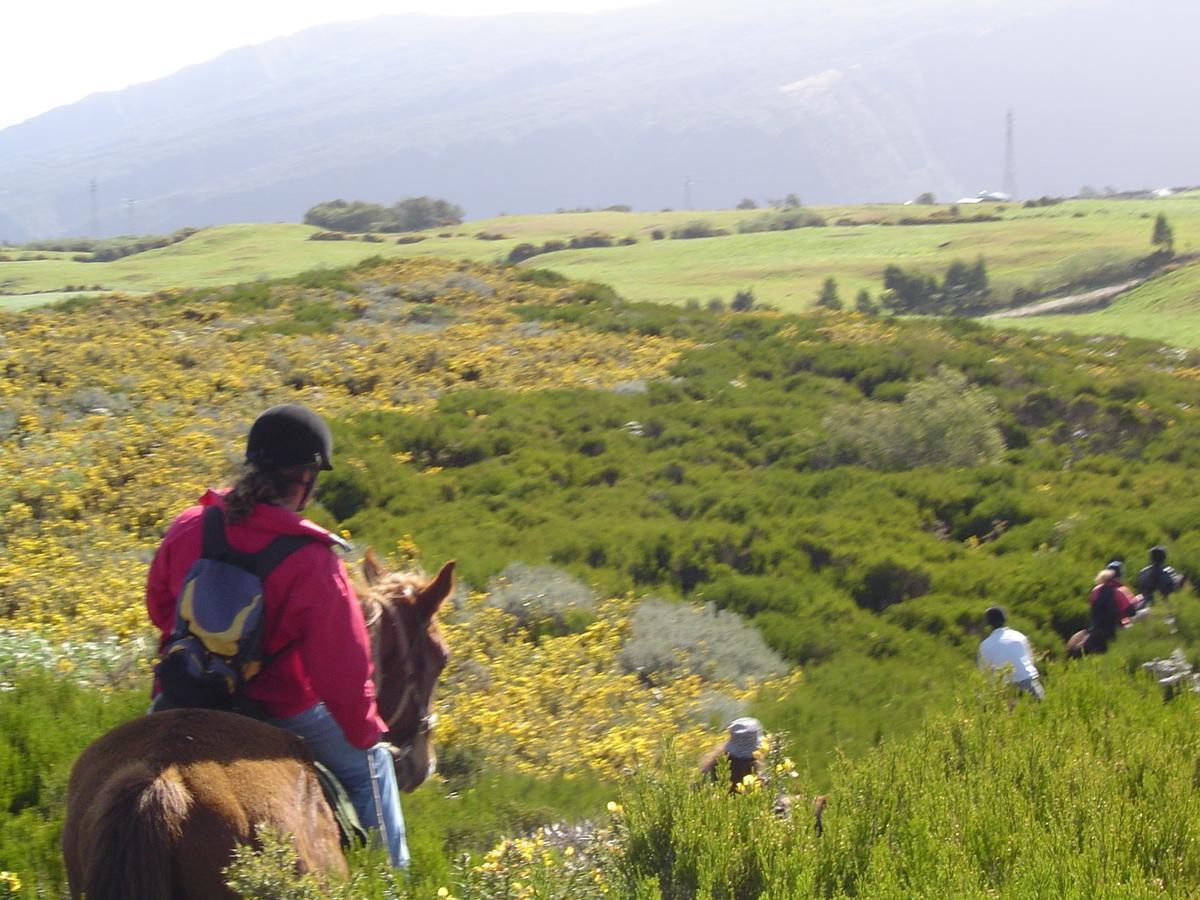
(1007, 648)
(741, 749)
(745, 748)
(1157, 578)
(1112, 606)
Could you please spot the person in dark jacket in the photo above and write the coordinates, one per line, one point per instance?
(1157, 578)
(320, 685)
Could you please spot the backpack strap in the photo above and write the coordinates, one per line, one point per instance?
(215, 546)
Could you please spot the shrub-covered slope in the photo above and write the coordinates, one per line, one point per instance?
(733, 459)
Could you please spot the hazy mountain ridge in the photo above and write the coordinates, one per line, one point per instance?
(537, 112)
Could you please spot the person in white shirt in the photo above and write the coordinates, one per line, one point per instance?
(1007, 648)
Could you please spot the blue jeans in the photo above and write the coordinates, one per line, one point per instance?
(367, 775)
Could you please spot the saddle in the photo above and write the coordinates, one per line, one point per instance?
(350, 829)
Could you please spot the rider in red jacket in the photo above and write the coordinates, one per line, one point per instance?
(1112, 606)
(310, 613)
(319, 685)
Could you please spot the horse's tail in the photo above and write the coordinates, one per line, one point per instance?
(819, 814)
(140, 818)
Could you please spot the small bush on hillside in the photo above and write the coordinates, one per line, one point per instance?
(698, 229)
(743, 301)
(590, 241)
(941, 422)
(327, 236)
(410, 239)
(521, 252)
(667, 637)
(781, 220)
(542, 277)
(542, 597)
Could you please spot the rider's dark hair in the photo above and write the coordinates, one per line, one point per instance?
(1158, 554)
(257, 484)
(995, 616)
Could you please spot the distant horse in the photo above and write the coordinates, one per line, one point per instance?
(156, 806)
(1077, 644)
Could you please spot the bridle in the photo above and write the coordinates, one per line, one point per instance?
(426, 720)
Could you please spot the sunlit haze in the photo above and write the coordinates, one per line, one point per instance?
(54, 54)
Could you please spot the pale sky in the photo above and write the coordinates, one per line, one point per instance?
(54, 53)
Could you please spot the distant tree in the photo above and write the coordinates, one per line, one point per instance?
(907, 293)
(413, 214)
(963, 282)
(743, 301)
(1087, 192)
(354, 216)
(828, 298)
(716, 304)
(927, 199)
(1164, 235)
(864, 304)
(419, 213)
(791, 201)
(747, 203)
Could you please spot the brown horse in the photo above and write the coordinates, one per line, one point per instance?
(156, 806)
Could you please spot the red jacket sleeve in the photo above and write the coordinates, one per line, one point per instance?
(160, 599)
(335, 649)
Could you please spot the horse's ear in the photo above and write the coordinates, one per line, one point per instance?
(433, 594)
(372, 569)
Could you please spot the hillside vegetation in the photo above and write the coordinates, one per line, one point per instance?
(648, 455)
(1033, 251)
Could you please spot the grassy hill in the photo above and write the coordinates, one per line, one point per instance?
(1039, 249)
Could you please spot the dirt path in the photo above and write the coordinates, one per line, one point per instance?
(1072, 303)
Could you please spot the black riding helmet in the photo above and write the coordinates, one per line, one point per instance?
(289, 435)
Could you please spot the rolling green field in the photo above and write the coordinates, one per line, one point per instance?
(1040, 248)
(1166, 309)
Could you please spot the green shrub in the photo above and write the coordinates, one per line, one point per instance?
(666, 637)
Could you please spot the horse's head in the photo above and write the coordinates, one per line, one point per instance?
(409, 656)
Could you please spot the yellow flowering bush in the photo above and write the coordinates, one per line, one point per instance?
(116, 414)
(564, 704)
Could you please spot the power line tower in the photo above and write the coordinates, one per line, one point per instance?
(95, 223)
(1010, 163)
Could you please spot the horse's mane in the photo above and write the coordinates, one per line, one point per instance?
(389, 591)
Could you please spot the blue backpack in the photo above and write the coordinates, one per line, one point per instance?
(215, 648)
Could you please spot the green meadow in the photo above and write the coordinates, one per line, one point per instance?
(1165, 309)
(1040, 249)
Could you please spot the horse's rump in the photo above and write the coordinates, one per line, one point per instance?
(137, 817)
(164, 823)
